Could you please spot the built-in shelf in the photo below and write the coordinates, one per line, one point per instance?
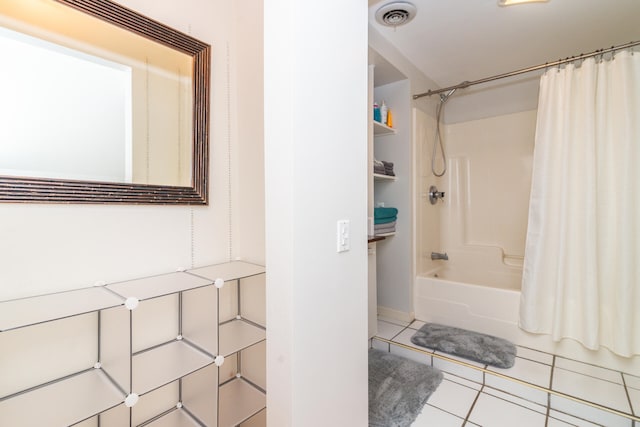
(176, 418)
(165, 364)
(23, 312)
(380, 129)
(382, 177)
(385, 234)
(157, 286)
(238, 335)
(62, 403)
(239, 401)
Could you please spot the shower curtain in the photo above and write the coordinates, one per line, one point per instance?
(581, 277)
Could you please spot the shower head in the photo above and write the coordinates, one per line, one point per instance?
(445, 96)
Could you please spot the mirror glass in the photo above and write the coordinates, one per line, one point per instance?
(101, 99)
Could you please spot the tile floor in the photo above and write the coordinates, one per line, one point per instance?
(467, 397)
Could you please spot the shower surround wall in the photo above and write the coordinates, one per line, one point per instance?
(483, 217)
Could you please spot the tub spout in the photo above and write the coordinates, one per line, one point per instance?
(438, 255)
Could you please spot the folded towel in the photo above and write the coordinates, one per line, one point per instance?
(381, 228)
(385, 230)
(385, 224)
(380, 170)
(388, 166)
(377, 221)
(384, 220)
(379, 213)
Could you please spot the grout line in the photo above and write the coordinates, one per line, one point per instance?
(445, 411)
(516, 380)
(626, 390)
(513, 402)
(466, 419)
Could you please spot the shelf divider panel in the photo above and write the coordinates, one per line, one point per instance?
(238, 401)
(164, 364)
(237, 335)
(229, 270)
(156, 286)
(23, 312)
(177, 418)
(64, 402)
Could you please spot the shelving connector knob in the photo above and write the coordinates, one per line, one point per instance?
(219, 283)
(97, 365)
(131, 400)
(219, 360)
(131, 303)
(179, 405)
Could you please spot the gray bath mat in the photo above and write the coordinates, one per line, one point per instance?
(398, 389)
(471, 345)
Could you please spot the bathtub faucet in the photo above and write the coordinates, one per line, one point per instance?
(438, 255)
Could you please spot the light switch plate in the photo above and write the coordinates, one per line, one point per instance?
(344, 237)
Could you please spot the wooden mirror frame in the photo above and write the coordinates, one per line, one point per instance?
(45, 190)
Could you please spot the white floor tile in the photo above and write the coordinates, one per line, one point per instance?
(388, 330)
(405, 338)
(634, 396)
(417, 324)
(434, 417)
(411, 355)
(538, 356)
(459, 370)
(516, 389)
(589, 413)
(557, 419)
(537, 407)
(494, 412)
(525, 370)
(462, 381)
(591, 389)
(632, 381)
(453, 398)
(379, 345)
(394, 321)
(591, 370)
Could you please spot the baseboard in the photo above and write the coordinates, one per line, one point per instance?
(390, 313)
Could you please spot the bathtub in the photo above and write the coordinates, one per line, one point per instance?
(483, 300)
(489, 303)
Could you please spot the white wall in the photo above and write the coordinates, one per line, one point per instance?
(47, 248)
(316, 174)
(55, 247)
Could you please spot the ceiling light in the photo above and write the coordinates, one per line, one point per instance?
(512, 2)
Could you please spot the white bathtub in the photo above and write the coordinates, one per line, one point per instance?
(456, 298)
(478, 300)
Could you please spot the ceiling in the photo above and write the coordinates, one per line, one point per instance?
(452, 41)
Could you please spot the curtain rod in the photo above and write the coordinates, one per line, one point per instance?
(466, 84)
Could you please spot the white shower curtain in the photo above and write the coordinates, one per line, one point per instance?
(581, 277)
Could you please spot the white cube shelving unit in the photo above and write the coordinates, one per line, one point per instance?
(155, 336)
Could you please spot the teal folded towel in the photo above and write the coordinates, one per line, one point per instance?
(385, 220)
(379, 213)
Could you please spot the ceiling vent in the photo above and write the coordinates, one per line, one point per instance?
(396, 14)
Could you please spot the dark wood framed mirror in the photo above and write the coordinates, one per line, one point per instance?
(191, 188)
